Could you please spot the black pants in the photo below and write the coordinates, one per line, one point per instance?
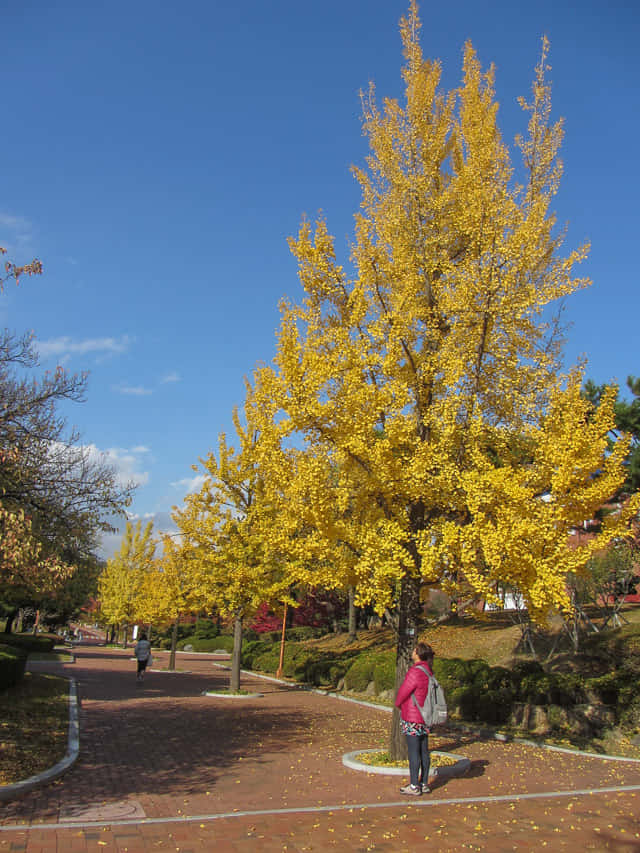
(142, 665)
(419, 759)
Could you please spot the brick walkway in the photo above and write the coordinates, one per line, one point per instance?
(163, 767)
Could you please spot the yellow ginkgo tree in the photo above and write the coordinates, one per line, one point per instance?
(123, 584)
(172, 590)
(428, 371)
(225, 528)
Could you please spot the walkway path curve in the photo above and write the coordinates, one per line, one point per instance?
(162, 767)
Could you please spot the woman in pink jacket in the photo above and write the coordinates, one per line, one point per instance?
(416, 683)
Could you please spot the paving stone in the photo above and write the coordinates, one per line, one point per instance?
(166, 751)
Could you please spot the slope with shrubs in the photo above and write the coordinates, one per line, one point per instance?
(581, 698)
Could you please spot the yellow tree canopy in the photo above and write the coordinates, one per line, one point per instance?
(25, 574)
(225, 528)
(429, 374)
(171, 587)
(123, 584)
(317, 527)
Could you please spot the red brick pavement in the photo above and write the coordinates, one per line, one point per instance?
(194, 766)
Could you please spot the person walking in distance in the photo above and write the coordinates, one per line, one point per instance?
(142, 653)
(416, 684)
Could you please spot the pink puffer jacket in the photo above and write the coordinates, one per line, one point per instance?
(416, 681)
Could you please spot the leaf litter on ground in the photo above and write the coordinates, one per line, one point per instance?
(34, 722)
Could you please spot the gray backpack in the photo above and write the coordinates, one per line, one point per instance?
(434, 710)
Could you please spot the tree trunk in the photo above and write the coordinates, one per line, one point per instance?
(10, 620)
(237, 653)
(282, 641)
(36, 622)
(174, 643)
(408, 612)
(124, 639)
(353, 636)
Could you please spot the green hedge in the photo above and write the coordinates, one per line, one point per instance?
(364, 668)
(303, 632)
(212, 644)
(12, 663)
(384, 673)
(29, 642)
(267, 660)
(300, 662)
(324, 671)
(253, 649)
(205, 629)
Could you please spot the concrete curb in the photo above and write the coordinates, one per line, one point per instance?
(8, 792)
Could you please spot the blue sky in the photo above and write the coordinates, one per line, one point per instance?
(155, 157)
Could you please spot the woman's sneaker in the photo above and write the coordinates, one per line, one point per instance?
(425, 789)
(412, 790)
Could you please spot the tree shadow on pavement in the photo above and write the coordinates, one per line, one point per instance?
(166, 748)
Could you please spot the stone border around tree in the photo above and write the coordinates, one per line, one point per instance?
(232, 695)
(441, 774)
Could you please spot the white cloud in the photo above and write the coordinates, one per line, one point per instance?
(64, 347)
(134, 390)
(190, 484)
(173, 376)
(126, 463)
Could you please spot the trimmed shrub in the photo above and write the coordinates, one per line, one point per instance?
(267, 661)
(362, 671)
(527, 667)
(205, 629)
(253, 649)
(494, 706)
(604, 688)
(456, 672)
(535, 689)
(629, 715)
(325, 671)
(212, 644)
(13, 660)
(462, 701)
(384, 673)
(500, 678)
(567, 688)
(295, 660)
(303, 632)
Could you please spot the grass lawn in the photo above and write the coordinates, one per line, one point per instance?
(34, 723)
(55, 657)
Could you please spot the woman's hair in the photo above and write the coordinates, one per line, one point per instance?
(425, 652)
(142, 636)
